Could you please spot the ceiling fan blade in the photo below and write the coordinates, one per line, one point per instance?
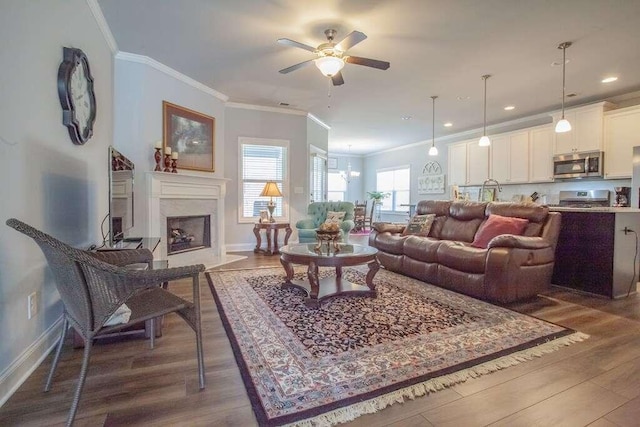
(293, 43)
(351, 40)
(295, 67)
(337, 79)
(367, 62)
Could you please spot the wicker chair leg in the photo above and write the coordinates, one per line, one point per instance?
(83, 375)
(56, 358)
(198, 330)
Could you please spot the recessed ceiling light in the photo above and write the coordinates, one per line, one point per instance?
(609, 79)
(557, 64)
(407, 118)
(509, 108)
(463, 98)
(448, 124)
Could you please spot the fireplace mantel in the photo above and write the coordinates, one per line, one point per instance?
(187, 194)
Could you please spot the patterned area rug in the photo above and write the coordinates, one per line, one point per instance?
(357, 355)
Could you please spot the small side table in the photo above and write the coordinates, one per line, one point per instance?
(268, 227)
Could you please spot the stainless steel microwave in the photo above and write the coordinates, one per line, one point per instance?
(579, 165)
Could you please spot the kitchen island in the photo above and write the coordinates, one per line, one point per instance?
(595, 254)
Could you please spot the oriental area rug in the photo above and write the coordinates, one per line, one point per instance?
(358, 355)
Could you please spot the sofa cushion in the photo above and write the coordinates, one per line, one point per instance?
(422, 248)
(536, 214)
(420, 225)
(390, 243)
(461, 231)
(496, 225)
(462, 257)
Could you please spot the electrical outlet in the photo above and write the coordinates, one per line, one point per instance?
(32, 305)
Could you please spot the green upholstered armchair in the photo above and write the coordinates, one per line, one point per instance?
(317, 212)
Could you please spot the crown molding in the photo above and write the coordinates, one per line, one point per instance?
(281, 110)
(96, 11)
(141, 59)
(318, 121)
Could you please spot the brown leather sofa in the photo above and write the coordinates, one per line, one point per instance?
(509, 269)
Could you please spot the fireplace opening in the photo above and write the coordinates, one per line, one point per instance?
(188, 233)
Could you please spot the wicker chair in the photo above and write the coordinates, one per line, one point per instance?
(93, 285)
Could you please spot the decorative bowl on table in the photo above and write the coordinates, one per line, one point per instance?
(327, 235)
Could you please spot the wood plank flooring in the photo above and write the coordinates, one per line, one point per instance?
(596, 382)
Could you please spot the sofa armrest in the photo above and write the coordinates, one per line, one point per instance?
(347, 225)
(306, 223)
(520, 242)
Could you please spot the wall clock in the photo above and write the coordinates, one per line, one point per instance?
(75, 90)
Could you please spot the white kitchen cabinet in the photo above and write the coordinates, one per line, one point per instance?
(621, 134)
(586, 132)
(477, 163)
(510, 157)
(541, 154)
(457, 164)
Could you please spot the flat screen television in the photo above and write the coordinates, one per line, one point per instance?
(121, 173)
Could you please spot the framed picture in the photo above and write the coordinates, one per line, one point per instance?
(332, 163)
(191, 135)
(264, 216)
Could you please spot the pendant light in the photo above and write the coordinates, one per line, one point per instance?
(485, 141)
(563, 125)
(433, 151)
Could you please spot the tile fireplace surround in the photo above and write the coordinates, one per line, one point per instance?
(181, 194)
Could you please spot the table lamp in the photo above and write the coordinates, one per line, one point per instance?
(271, 190)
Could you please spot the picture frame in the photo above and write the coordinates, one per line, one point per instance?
(332, 163)
(191, 134)
(264, 216)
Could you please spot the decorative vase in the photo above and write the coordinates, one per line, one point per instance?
(158, 158)
(167, 163)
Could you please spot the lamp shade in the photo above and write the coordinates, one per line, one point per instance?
(271, 190)
(433, 151)
(563, 126)
(484, 141)
(329, 65)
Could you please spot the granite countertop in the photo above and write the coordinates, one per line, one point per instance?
(594, 209)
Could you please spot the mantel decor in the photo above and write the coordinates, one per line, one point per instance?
(191, 135)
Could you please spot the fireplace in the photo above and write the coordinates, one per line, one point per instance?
(188, 233)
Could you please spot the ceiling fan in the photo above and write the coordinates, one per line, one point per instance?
(331, 56)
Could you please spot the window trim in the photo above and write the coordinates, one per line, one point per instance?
(242, 140)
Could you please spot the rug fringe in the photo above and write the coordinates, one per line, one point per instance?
(350, 413)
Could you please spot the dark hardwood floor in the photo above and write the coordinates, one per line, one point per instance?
(596, 382)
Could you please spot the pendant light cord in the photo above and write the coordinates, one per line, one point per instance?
(433, 123)
(484, 129)
(564, 63)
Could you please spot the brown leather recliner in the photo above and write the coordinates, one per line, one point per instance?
(509, 269)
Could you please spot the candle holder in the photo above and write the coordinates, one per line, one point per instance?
(158, 158)
(174, 163)
(167, 163)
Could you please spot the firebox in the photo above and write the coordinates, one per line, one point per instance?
(188, 233)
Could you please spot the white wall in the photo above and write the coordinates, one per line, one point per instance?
(271, 124)
(141, 84)
(47, 181)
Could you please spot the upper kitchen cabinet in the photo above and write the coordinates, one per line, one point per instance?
(541, 141)
(621, 134)
(586, 132)
(477, 163)
(458, 164)
(510, 157)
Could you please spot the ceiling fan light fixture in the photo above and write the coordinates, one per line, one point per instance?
(329, 65)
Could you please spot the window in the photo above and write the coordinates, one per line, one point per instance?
(337, 187)
(396, 182)
(262, 160)
(318, 176)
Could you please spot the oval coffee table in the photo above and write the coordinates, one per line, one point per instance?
(320, 289)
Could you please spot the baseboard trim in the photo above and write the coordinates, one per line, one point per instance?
(21, 368)
(240, 247)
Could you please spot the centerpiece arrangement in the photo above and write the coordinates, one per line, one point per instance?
(329, 234)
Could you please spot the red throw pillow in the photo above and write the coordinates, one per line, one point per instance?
(497, 225)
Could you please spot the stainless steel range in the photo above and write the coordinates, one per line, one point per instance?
(584, 199)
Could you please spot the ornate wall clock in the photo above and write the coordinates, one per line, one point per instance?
(75, 90)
